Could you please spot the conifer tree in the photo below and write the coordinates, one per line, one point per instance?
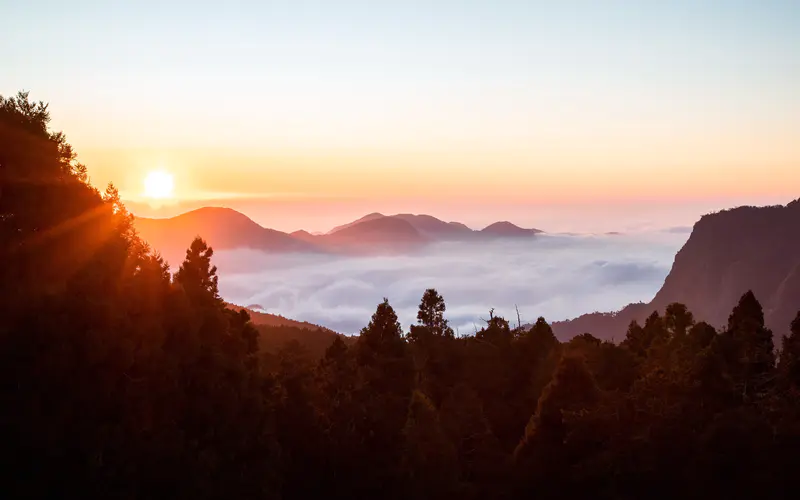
(753, 360)
(431, 315)
(789, 365)
(635, 339)
(572, 388)
(481, 460)
(197, 276)
(433, 348)
(429, 459)
(541, 452)
(382, 394)
(678, 319)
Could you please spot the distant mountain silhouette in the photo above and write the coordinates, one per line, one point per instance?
(425, 224)
(435, 228)
(460, 225)
(728, 253)
(303, 235)
(222, 228)
(366, 218)
(385, 233)
(225, 229)
(507, 229)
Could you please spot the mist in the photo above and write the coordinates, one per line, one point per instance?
(555, 276)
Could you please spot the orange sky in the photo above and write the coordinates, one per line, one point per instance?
(573, 184)
(385, 106)
(549, 173)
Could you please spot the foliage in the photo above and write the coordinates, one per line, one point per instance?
(120, 379)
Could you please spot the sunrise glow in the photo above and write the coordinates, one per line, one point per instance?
(468, 113)
(158, 185)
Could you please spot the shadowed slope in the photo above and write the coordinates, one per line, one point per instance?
(728, 253)
(435, 228)
(507, 229)
(366, 218)
(222, 228)
(384, 233)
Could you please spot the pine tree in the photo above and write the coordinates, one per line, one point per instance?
(382, 394)
(482, 462)
(297, 417)
(789, 365)
(753, 360)
(635, 339)
(336, 380)
(496, 331)
(538, 341)
(700, 336)
(655, 331)
(197, 276)
(431, 315)
(541, 452)
(433, 348)
(572, 388)
(429, 459)
(678, 319)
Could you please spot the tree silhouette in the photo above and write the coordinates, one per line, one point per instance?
(789, 365)
(382, 394)
(430, 317)
(432, 341)
(541, 452)
(482, 463)
(429, 459)
(678, 319)
(120, 380)
(197, 276)
(752, 359)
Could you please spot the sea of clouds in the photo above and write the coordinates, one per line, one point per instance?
(555, 276)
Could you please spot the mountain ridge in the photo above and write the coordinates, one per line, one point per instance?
(225, 228)
(728, 253)
(507, 229)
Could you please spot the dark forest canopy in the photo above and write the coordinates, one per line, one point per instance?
(119, 378)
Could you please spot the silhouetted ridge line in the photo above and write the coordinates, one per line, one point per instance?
(505, 228)
(121, 379)
(228, 229)
(744, 248)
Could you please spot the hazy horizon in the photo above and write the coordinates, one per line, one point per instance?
(571, 117)
(401, 357)
(486, 109)
(322, 215)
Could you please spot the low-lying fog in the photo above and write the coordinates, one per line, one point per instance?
(555, 276)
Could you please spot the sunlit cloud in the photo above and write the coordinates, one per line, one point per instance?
(555, 276)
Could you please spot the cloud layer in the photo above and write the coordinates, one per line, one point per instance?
(554, 276)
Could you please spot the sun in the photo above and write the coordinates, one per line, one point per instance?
(158, 185)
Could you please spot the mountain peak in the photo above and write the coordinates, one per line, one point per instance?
(223, 228)
(366, 218)
(505, 228)
(728, 253)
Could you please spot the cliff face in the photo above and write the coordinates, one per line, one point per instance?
(728, 253)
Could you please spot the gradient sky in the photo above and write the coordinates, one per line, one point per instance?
(418, 105)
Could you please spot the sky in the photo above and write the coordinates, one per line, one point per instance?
(565, 115)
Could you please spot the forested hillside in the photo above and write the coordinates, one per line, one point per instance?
(122, 378)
